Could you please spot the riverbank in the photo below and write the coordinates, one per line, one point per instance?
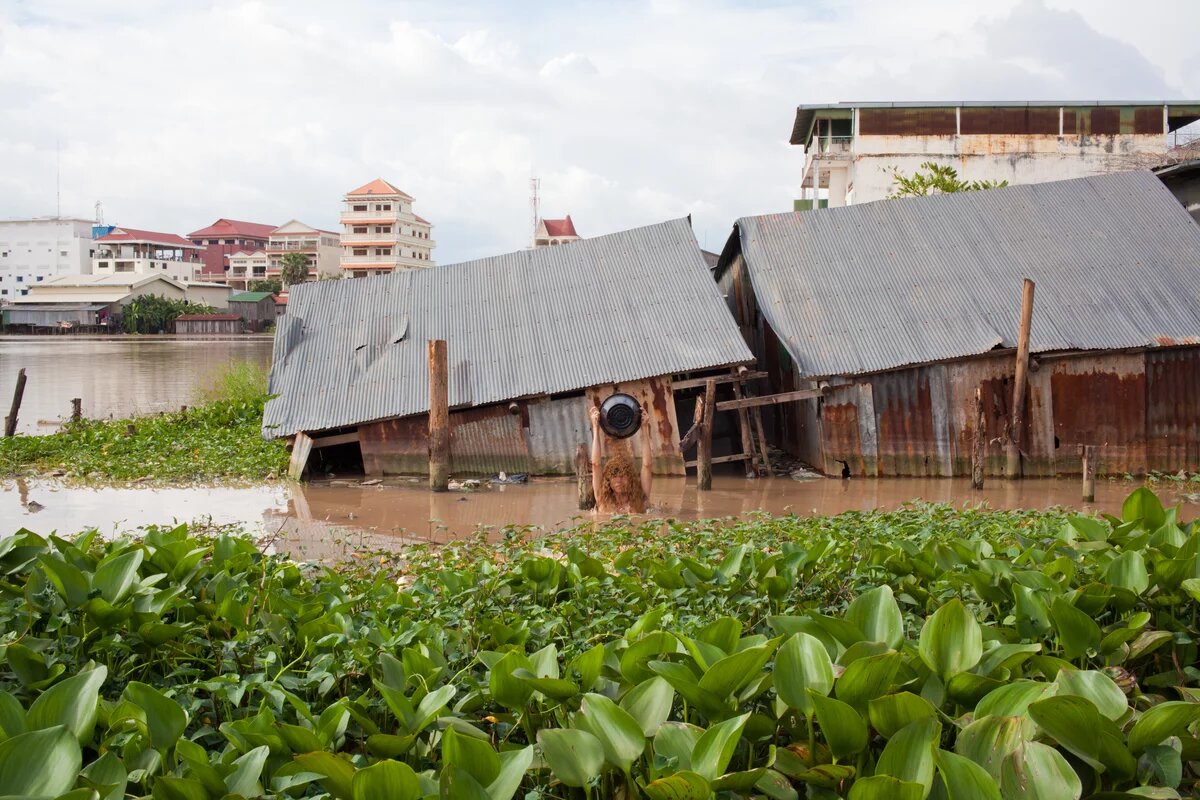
(862, 655)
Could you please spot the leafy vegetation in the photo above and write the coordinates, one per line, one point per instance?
(222, 438)
(293, 268)
(934, 178)
(922, 653)
(272, 285)
(149, 313)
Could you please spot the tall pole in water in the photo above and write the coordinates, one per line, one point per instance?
(1017, 429)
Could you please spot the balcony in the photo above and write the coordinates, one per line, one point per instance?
(293, 245)
(392, 238)
(349, 216)
(371, 259)
(836, 147)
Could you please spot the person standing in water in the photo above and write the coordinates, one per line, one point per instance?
(617, 486)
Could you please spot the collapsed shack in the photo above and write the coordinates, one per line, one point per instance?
(534, 338)
(896, 313)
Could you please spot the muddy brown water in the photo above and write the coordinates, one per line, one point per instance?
(327, 519)
(114, 375)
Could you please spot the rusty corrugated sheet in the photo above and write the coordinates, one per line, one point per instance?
(1026, 121)
(907, 122)
(556, 429)
(1173, 409)
(1100, 400)
(483, 441)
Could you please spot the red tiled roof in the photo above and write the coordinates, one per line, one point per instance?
(123, 234)
(378, 187)
(233, 227)
(214, 317)
(560, 227)
(419, 218)
(281, 299)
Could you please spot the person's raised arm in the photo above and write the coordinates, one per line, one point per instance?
(597, 471)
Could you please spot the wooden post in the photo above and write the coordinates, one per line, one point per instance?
(704, 451)
(762, 440)
(583, 478)
(1089, 474)
(1016, 432)
(439, 416)
(978, 444)
(76, 409)
(744, 427)
(10, 422)
(130, 429)
(301, 447)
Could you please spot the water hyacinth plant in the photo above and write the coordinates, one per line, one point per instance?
(926, 653)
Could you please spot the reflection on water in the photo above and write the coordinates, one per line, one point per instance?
(327, 520)
(114, 375)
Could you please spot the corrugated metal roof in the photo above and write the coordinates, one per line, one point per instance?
(876, 286)
(621, 307)
(249, 297)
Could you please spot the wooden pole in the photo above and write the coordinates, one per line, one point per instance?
(439, 416)
(583, 478)
(10, 422)
(1016, 433)
(704, 451)
(1089, 474)
(978, 444)
(744, 427)
(76, 409)
(762, 440)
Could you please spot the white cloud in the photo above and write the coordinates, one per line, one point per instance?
(176, 114)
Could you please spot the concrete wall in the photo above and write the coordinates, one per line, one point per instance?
(215, 296)
(35, 250)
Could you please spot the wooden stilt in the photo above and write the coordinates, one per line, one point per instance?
(301, 447)
(744, 427)
(583, 478)
(704, 453)
(439, 416)
(1089, 474)
(762, 439)
(10, 422)
(76, 409)
(1012, 468)
(978, 444)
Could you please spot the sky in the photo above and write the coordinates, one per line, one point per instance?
(174, 113)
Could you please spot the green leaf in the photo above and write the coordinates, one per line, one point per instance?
(867, 678)
(1143, 507)
(909, 755)
(68, 579)
(1077, 631)
(338, 772)
(963, 779)
(843, 728)
(683, 785)
(1158, 723)
(676, 741)
(475, 756)
(620, 734)
(988, 741)
(1036, 771)
(507, 689)
(892, 712)
(951, 640)
(168, 787)
(243, 780)
(574, 756)
(554, 688)
(715, 747)
(1012, 699)
(1128, 571)
(877, 615)
(107, 774)
(1095, 686)
(114, 575)
(731, 673)
(393, 780)
(885, 787)
(651, 647)
(802, 663)
(1075, 724)
(39, 763)
(12, 716)
(513, 766)
(650, 704)
(165, 719)
(1162, 764)
(71, 702)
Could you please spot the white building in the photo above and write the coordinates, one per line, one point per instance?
(38, 249)
(381, 233)
(128, 250)
(852, 149)
(320, 247)
(247, 267)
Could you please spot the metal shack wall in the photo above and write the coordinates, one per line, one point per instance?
(1140, 410)
(540, 438)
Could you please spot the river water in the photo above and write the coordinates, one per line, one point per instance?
(115, 376)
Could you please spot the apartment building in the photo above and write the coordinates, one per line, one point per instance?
(41, 248)
(852, 149)
(381, 233)
(321, 247)
(138, 252)
(245, 268)
(224, 238)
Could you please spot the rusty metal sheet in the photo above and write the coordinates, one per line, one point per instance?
(908, 444)
(1100, 400)
(840, 441)
(1173, 409)
(1148, 120)
(483, 441)
(556, 429)
(1027, 121)
(907, 122)
(660, 427)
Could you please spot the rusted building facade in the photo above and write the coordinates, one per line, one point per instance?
(256, 308)
(534, 338)
(899, 311)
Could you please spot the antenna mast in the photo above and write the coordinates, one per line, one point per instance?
(99, 213)
(57, 178)
(534, 206)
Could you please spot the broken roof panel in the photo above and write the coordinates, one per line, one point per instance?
(621, 307)
(882, 285)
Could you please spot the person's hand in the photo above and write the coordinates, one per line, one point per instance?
(594, 415)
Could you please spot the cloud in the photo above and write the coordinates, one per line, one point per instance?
(630, 112)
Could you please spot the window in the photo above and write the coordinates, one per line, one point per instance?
(360, 251)
(360, 228)
(62, 253)
(383, 251)
(3, 291)
(20, 279)
(39, 278)
(383, 228)
(383, 206)
(361, 208)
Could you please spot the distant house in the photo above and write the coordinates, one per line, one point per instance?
(208, 324)
(246, 268)
(256, 308)
(224, 238)
(75, 301)
(553, 232)
(896, 313)
(321, 248)
(138, 252)
(535, 338)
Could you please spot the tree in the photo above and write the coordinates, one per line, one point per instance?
(933, 178)
(150, 313)
(293, 268)
(272, 285)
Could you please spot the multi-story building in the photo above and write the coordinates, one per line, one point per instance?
(551, 232)
(246, 268)
(41, 248)
(321, 248)
(381, 233)
(224, 238)
(128, 250)
(852, 150)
